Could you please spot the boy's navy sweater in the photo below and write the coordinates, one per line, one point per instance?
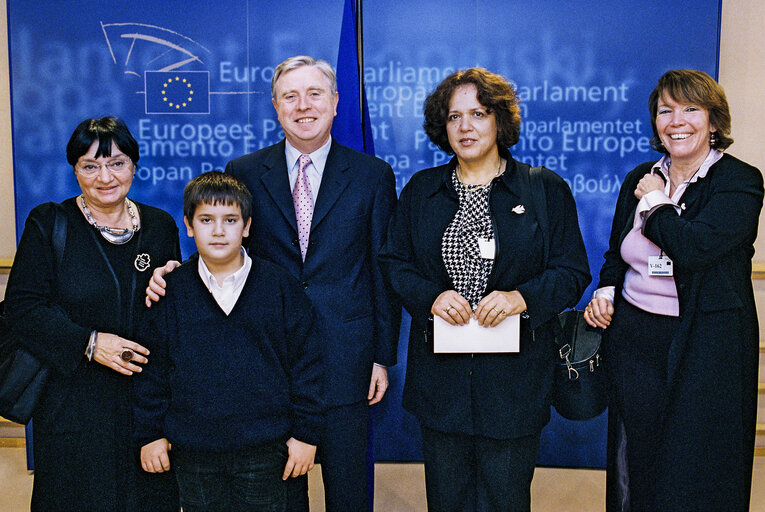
(221, 383)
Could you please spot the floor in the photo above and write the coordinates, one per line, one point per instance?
(401, 487)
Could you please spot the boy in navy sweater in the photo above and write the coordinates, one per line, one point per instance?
(234, 379)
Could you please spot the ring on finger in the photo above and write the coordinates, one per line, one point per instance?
(448, 309)
(127, 355)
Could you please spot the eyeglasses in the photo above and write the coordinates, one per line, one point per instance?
(90, 169)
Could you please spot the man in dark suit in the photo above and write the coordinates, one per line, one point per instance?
(347, 198)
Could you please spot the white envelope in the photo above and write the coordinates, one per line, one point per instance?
(471, 338)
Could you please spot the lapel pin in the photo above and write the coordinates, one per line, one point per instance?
(520, 209)
(142, 262)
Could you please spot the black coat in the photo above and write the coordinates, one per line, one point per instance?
(706, 440)
(494, 395)
(83, 450)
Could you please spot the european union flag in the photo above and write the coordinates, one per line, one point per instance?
(351, 126)
(177, 92)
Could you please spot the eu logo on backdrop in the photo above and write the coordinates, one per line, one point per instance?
(177, 92)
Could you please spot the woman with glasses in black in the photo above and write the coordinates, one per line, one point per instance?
(74, 297)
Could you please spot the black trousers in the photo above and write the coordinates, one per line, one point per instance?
(343, 456)
(466, 473)
(636, 349)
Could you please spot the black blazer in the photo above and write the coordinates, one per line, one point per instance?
(709, 418)
(355, 313)
(495, 395)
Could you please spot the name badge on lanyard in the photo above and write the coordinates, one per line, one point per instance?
(660, 265)
(487, 248)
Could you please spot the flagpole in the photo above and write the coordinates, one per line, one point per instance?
(360, 60)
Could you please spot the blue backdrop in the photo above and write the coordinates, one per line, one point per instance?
(583, 72)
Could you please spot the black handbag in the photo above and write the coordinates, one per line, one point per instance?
(579, 390)
(22, 375)
(580, 387)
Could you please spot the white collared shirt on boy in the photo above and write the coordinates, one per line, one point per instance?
(226, 295)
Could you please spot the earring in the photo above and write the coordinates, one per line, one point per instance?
(712, 139)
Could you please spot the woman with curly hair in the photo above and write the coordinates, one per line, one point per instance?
(466, 245)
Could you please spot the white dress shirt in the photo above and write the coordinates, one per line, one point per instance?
(227, 294)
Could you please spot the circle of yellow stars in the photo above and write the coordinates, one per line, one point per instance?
(177, 105)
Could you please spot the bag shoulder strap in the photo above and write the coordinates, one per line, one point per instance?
(58, 240)
(539, 200)
(58, 236)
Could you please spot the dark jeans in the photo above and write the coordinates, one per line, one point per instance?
(465, 473)
(244, 480)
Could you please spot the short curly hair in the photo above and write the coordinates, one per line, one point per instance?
(698, 88)
(495, 94)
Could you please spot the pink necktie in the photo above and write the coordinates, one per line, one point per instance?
(302, 198)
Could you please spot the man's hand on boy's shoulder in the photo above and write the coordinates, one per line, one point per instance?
(154, 457)
(300, 460)
(157, 285)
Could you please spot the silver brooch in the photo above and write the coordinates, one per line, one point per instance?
(142, 262)
(520, 209)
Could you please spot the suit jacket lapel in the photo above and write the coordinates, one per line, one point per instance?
(276, 181)
(334, 180)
